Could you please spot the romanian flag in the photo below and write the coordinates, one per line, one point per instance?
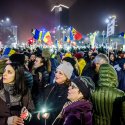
(67, 39)
(47, 38)
(122, 34)
(76, 35)
(11, 52)
(36, 34)
(40, 36)
(8, 52)
(71, 36)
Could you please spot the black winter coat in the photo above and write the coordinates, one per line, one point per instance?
(40, 79)
(53, 97)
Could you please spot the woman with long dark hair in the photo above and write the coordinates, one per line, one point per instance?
(14, 95)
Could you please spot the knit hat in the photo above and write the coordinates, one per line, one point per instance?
(19, 58)
(85, 85)
(66, 68)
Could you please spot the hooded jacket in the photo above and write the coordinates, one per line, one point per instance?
(105, 95)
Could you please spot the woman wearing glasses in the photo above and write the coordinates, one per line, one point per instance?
(78, 110)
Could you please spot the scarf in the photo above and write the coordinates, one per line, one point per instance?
(14, 99)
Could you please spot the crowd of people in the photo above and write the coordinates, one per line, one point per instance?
(78, 87)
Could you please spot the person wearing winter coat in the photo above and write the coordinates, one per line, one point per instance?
(54, 64)
(105, 95)
(54, 96)
(14, 95)
(40, 77)
(78, 110)
(121, 74)
(112, 59)
(20, 58)
(93, 69)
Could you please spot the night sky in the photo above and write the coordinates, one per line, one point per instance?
(85, 15)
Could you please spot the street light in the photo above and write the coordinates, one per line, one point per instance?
(107, 21)
(5, 22)
(2, 21)
(8, 19)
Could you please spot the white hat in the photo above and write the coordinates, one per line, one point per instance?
(66, 68)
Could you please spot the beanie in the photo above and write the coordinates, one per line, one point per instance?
(85, 85)
(19, 58)
(66, 68)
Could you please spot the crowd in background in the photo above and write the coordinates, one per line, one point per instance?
(77, 87)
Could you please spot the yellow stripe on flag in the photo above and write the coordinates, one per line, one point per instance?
(11, 52)
(40, 36)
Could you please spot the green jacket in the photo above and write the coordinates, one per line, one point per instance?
(104, 96)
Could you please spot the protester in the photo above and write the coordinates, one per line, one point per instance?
(73, 62)
(54, 64)
(20, 59)
(79, 57)
(112, 59)
(40, 77)
(121, 74)
(31, 62)
(78, 110)
(14, 94)
(54, 96)
(92, 70)
(105, 95)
